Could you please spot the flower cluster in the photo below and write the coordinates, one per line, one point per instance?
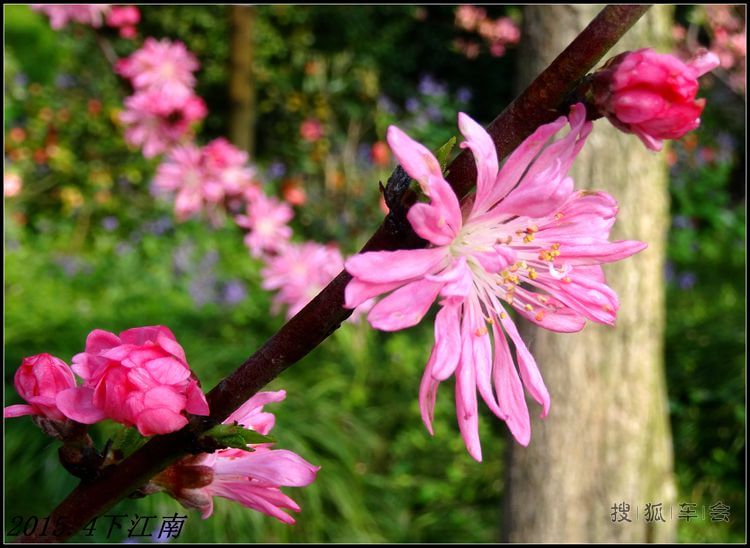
(123, 18)
(652, 94)
(496, 33)
(140, 378)
(726, 27)
(203, 178)
(216, 177)
(161, 112)
(527, 240)
(92, 15)
(252, 477)
(299, 272)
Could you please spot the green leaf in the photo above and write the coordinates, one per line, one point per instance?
(443, 153)
(128, 440)
(234, 435)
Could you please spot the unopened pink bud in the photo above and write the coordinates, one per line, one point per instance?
(652, 94)
(38, 381)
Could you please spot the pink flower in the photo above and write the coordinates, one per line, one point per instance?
(140, 378)
(160, 65)
(12, 184)
(299, 272)
(252, 478)
(652, 94)
(227, 166)
(266, 220)
(157, 121)
(311, 130)
(120, 16)
(525, 240)
(184, 173)
(61, 15)
(39, 381)
(124, 18)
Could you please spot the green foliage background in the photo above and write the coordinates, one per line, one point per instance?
(351, 404)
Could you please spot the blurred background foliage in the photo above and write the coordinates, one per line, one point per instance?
(87, 246)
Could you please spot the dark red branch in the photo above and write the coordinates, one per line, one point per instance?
(540, 103)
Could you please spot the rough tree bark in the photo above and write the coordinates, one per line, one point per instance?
(607, 438)
(241, 83)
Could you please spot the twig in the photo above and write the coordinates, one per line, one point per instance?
(538, 104)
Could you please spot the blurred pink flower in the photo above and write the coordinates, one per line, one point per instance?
(86, 14)
(228, 167)
(160, 65)
(497, 33)
(468, 17)
(652, 94)
(39, 380)
(266, 220)
(252, 478)
(140, 378)
(124, 18)
(184, 173)
(299, 272)
(12, 184)
(526, 238)
(157, 121)
(311, 130)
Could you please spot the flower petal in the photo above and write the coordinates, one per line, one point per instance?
(391, 266)
(404, 307)
(414, 157)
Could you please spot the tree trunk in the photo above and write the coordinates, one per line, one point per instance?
(241, 84)
(607, 438)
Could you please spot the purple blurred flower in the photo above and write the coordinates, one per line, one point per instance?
(412, 104)
(430, 87)
(71, 265)
(65, 81)
(276, 170)
(110, 223)
(159, 226)
(386, 105)
(182, 258)
(681, 221)
(123, 248)
(687, 280)
(433, 114)
(234, 292)
(464, 95)
(203, 290)
(21, 79)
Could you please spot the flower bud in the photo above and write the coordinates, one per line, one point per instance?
(652, 94)
(38, 381)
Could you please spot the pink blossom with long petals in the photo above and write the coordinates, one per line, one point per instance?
(266, 219)
(252, 478)
(526, 240)
(140, 378)
(39, 381)
(160, 65)
(157, 121)
(86, 14)
(653, 94)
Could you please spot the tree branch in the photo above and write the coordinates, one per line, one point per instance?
(540, 103)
